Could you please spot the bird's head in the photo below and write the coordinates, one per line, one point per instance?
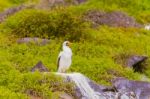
(67, 43)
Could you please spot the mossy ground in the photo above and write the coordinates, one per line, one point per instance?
(93, 54)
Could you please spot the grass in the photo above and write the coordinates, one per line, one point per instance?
(93, 54)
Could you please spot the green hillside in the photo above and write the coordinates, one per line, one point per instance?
(95, 50)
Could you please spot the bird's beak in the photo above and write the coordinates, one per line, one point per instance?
(69, 44)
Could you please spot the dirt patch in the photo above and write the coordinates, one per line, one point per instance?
(114, 19)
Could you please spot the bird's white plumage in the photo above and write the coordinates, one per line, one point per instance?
(147, 27)
(64, 58)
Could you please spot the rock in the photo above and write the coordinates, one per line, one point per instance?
(99, 88)
(121, 88)
(35, 40)
(45, 4)
(40, 67)
(119, 95)
(10, 11)
(140, 88)
(135, 62)
(88, 89)
(114, 19)
(111, 92)
(135, 59)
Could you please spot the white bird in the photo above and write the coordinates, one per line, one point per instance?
(147, 27)
(65, 57)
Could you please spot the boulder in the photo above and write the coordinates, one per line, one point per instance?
(10, 11)
(34, 40)
(88, 89)
(100, 88)
(135, 59)
(108, 92)
(113, 19)
(121, 88)
(45, 4)
(40, 67)
(135, 62)
(140, 88)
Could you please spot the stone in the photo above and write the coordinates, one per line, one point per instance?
(45, 4)
(135, 62)
(99, 88)
(135, 59)
(106, 92)
(10, 11)
(121, 88)
(40, 67)
(110, 91)
(140, 88)
(34, 40)
(113, 19)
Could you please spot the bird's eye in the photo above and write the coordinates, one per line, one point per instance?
(67, 44)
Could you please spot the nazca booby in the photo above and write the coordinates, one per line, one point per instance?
(65, 57)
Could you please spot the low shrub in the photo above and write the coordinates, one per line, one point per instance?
(37, 23)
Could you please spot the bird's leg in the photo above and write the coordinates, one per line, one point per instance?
(64, 70)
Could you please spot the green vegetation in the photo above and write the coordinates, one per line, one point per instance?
(4, 4)
(139, 9)
(94, 50)
(38, 23)
(7, 94)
